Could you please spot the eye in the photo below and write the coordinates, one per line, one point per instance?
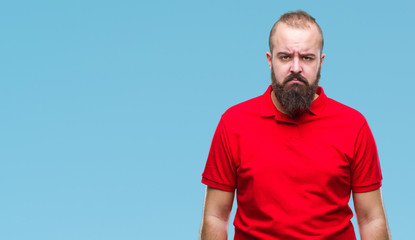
(285, 57)
(307, 58)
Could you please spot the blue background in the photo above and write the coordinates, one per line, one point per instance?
(108, 107)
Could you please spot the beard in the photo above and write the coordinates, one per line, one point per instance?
(295, 98)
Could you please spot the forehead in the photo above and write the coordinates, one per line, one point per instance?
(293, 39)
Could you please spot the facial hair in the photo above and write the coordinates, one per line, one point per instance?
(295, 98)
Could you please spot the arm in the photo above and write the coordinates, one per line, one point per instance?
(370, 215)
(216, 213)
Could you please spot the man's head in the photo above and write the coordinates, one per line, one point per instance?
(295, 58)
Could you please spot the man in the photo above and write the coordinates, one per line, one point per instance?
(293, 155)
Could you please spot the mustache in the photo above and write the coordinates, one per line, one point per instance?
(296, 76)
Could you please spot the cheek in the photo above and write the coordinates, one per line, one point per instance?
(281, 70)
(311, 71)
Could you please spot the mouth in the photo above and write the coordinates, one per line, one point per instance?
(295, 80)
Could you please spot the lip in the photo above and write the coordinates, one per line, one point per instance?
(295, 81)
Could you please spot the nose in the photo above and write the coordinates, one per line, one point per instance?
(295, 65)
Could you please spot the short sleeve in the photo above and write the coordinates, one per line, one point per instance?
(365, 167)
(220, 171)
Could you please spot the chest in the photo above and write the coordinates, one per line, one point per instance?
(298, 156)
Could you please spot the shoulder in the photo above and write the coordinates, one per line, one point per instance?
(244, 109)
(351, 115)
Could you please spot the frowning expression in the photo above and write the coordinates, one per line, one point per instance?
(296, 51)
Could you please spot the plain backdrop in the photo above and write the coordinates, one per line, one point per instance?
(108, 108)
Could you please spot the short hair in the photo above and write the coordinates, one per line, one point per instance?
(297, 19)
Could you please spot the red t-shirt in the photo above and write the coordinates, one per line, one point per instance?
(293, 177)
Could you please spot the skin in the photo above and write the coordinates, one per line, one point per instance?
(370, 214)
(216, 214)
(295, 50)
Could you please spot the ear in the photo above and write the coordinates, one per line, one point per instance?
(269, 59)
(323, 55)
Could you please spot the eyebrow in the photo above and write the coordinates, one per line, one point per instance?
(308, 55)
(284, 53)
(302, 55)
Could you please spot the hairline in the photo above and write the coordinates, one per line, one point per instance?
(301, 24)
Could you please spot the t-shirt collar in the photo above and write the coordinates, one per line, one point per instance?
(268, 108)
